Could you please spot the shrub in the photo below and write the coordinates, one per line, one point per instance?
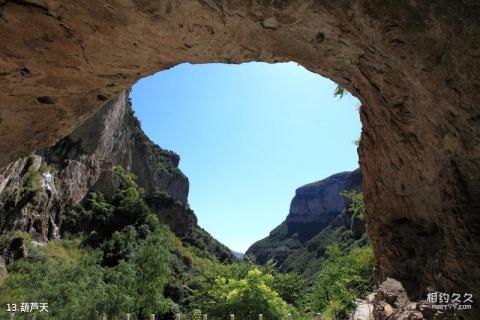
(73, 288)
(290, 287)
(245, 297)
(356, 206)
(339, 91)
(129, 199)
(242, 289)
(342, 278)
(75, 285)
(99, 218)
(32, 183)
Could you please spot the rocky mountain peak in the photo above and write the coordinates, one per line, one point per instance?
(317, 218)
(316, 204)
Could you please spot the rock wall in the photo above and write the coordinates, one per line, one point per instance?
(317, 219)
(414, 65)
(35, 190)
(316, 204)
(29, 199)
(114, 134)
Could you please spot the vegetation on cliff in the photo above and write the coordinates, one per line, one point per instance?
(300, 243)
(126, 249)
(339, 91)
(163, 161)
(356, 203)
(76, 285)
(117, 257)
(341, 280)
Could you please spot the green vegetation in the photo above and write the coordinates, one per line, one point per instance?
(245, 295)
(291, 287)
(339, 91)
(116, 256)
(196, 236)
(202, 240)
(98, 219)
(164, 161)
(32, 184)
(76, 284)
(305, 258)
(32, 181)
(342, 279)
(356, 203)
(7, 238)
(71, 279)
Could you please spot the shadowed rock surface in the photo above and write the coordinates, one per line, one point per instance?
(317, 219)
(316, 204)
(414, 64)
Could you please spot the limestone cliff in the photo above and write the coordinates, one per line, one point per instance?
(315, 205)
(317, 218)
(35, 191)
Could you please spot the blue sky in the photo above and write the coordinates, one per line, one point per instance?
(248, 135)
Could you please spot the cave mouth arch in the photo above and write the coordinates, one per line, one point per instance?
(414, 66)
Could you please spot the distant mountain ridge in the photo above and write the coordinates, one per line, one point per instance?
(317, 218)
(316, 204)
(239, 255)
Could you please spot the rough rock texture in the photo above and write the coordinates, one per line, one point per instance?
(35, 190)
(391, 301)
(316, 204)
(113, 134)
(30, 199)
(414, 64)
(317, 219)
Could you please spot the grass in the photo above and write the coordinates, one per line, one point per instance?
(33, 181)
(67, 249)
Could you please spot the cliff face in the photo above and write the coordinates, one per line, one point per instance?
(35, 191)
(317, 218)
(114, 134)
(315, 205)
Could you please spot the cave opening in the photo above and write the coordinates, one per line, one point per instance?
(248, 136)
(414, 64)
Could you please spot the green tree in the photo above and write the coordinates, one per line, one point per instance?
(290, 287)
(356, 206)
(71, 284)
(129, 199)
(98, 218)
(339, 91)
(341, 280)
(246, 297)
(152, 272)
(120, 246)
